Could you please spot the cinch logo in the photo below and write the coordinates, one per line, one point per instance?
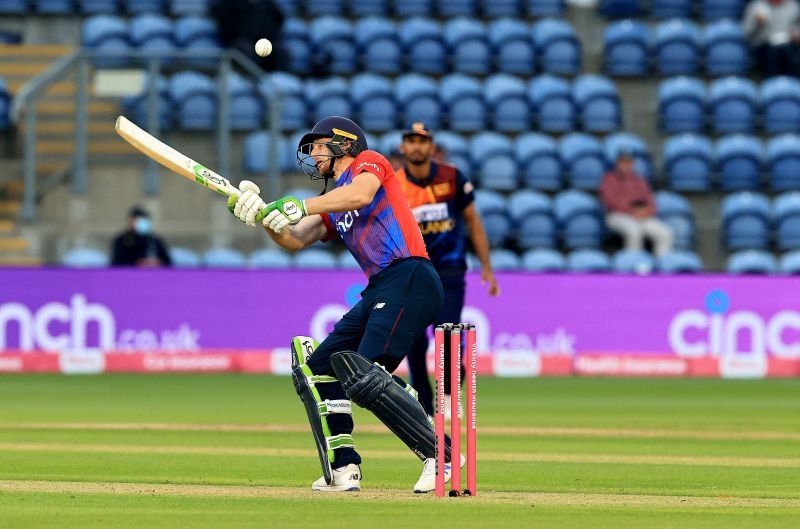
(377, 170)
(717, 332)
(344, 223)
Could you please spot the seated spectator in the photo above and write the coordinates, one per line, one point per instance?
(137, 246)
(630, 208)
(773, 28)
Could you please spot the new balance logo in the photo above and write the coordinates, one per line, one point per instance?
(379, 305)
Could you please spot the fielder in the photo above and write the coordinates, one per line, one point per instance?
(368, 211)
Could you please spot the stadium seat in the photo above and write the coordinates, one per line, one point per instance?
(666, 9)
(153, 34)
(224, 258)
(790, 263)
(328, 96)
(85, 258)
(184, 257)
(334, 35)
(189, 7)
(543, 260)
(500, 8)
(462, 96)
(196, 32)
(14, 7)
(588, 260)
(677, 47)
(136, 106)
(493, 161)
(676, 211)
(468, 46)
(626, 49)
(494, 214)
(786, 214)
(619, 8)
(539, 161)
(680, 262)
(681, 105)
(457, 8)
(557, 46)
(417, 98)
(734, 104)
(107, 34)
(136, 7)
(544, 8)
(579, 219)
(373, 98)
(746, 221)
(780, 101)
(318, 8)
(632, 143)
(583, 160)
(783, 160)
(195, 99)
(293, 105)
(456, 149)
(269, 258)
(633, 262)
(53, 7)
(505, 260)
(256, 153)
(598, 103)
(719, 9)
(246, 104)
(740, 159)
(688, 162)
(726, 48)
(315, 258)
(5, 106)
(551, 100)
(98, 7)
(532, 213)
(512, 46)
(424, 45)
(346, 261)
(508, 104)
(302, 192)
(752, 262)
(379, 45)
(412, 8)
(297, 44)
(363, 8)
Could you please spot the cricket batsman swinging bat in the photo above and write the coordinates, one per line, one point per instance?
(172, 159)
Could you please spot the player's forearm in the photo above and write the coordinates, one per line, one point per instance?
(286, 240)
(339, 200)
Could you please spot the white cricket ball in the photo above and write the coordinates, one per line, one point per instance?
(263, 47)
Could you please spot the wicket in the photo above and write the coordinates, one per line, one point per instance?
(456, 332)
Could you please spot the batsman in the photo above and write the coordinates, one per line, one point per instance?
(366, 209)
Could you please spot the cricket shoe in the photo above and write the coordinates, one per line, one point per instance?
(345, 479)
(427, 480)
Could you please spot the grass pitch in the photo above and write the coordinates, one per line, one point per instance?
(233, 451)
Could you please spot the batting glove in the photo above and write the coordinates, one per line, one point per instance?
(284, 211)
(248, 204)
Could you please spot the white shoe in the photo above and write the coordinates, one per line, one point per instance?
(447, 414)
(427, 480)
(345, 479)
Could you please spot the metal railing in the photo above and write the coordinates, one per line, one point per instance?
(78, 63)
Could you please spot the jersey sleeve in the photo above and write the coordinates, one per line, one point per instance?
(465, 191)
(331, 234)
(372, 162)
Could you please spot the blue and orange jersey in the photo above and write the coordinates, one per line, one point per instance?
(438, 202)
(383, 231)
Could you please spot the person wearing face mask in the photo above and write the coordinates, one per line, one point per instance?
(138, 246)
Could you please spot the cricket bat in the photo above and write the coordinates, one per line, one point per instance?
(173, 160)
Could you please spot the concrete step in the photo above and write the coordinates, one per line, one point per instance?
(67, 147)
(31, 51)
(13, 243)
(60, 88)
(22, 69)
(9, 208)
(67, 127)
(7, 226)
(19, 260)
(11, 189)
(67, 108)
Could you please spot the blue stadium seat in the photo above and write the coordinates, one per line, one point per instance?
(136, 7)
(318, 8)
(505, 260)
(588, 260)
(189, 7)
(256, 153)
(740, 159)
(457, 149)
(334, 35)
(14, 7)
(598, 103)
(626, 49)
(462, 96)
(752, 262)
(551, 99)
(424, 45)
(494, 214)
(746, 220)
(136, 106)
(726, 48)
(719, 9)
(85, 258)
(5, 106)
(246, 104)
(98, 7)
(780, 101)
(363, 8)
(508, 103)
(184, 257)
(373, 98)
(195, 99)
(783, 160)
(417, 98)
(619, 8)
(583, 160)
(457, 8)
(412, 8)
(682, 105)
(665, 9)
(633, 262)
(269, 258)
(543, 260)
(302, 192)
(539, 161)
(676, 211)
(493, 160)
(316, 259)
(501, 8)
(734, 104)
(328, 97)
(680, 262)
(544, 8)
(688, 162)
(379, 45)
(614, 143)
(224, 258)
(196, 32)
(346, 261)
(294, 108)
(389, 143)
(677, 47)
(297, 44)
(532, 213)
(579, 219)
(558, 47)
(50, 7)
(468, 46)
(108, 34)
(153, 34)
(512, 46)
(790, 263)
(786, 213)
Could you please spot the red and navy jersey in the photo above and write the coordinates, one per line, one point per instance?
(383, 231)
(438, 202)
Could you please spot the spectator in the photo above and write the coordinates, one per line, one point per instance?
(630, 207)
(137, 246)
(773, 27)
(242, 22)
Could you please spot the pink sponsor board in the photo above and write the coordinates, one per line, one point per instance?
(92, 321)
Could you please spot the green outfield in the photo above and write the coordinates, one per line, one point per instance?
(233, 451)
